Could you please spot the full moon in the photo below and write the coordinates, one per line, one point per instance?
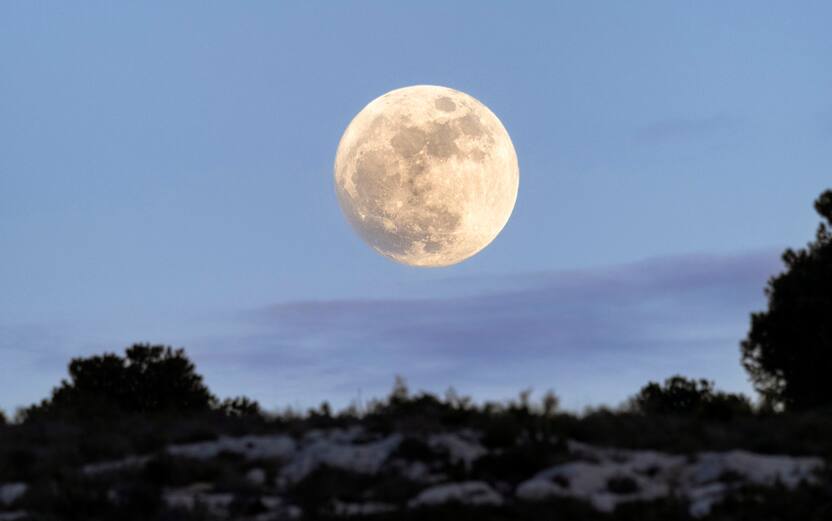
(426, 175)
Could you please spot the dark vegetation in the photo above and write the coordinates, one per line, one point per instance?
(147, 380)
(47, 453)
(682, 396)
(112, 406)
(622, 485)
(788, 351)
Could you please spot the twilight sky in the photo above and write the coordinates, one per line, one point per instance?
(166, 176)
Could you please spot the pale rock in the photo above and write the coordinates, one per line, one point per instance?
(658, 475)
(539, 490)
(197, 494)
(417, 471)
(461, 448)
(604, 501)
(760, 469)
(271, 502)
(127, 463)
(366, 458)
(11, 492)
(467, 493)
(250, 447)
(265, 516)
(362, 509)
(703, 498)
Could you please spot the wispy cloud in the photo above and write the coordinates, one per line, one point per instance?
(681, 128)
(594, 335)
(33, 359)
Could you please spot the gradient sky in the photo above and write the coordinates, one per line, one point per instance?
(166, 176)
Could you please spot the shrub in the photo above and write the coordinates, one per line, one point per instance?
(148, 379)
(622, 485)
(414, 449)
(751, 503)
(394, 488)
(683, 396)
(501, 430)
(520, 462)
(73, 497)
(240, 406)
(725, 406)
(315, 492)
(170, 471)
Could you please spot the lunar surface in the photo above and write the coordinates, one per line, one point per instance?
(426, 175)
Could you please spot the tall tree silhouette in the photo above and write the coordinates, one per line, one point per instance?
(788, 351)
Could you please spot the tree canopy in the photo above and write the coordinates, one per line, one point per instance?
(147, 379)
(788, 350)
(684, 396)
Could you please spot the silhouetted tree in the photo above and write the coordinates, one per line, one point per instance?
(400, 393)
(788, 351)
(240, 406)
(684, 396)
(148, 379)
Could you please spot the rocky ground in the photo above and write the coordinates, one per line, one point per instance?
(356, 473)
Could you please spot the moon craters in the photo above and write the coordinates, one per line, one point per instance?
(426, 175)
(445, 104)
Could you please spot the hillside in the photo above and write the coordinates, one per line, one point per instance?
(420, 457)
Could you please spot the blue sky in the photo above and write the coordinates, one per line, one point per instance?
(166, 176)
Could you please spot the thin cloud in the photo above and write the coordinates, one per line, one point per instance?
(598, 333)
(593, 335)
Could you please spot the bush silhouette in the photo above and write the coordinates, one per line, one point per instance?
(684, 396)
(240, 406)
(148, 379)
(788, 350)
